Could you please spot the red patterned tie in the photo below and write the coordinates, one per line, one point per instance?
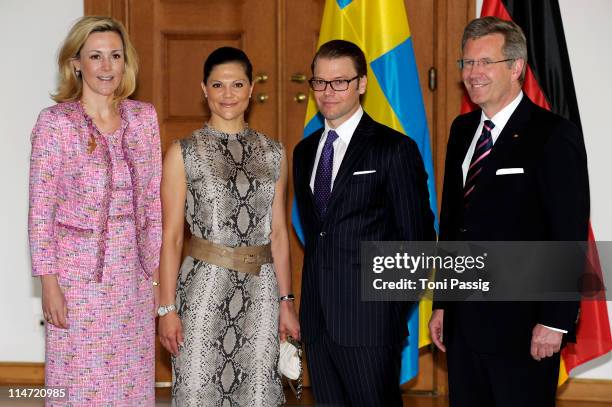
(481, 153)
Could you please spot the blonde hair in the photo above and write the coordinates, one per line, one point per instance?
(70, 86)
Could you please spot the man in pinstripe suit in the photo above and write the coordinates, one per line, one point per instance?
(355, 180)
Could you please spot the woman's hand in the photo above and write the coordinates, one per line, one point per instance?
(54, 306)
(171, 332)
(288, 323)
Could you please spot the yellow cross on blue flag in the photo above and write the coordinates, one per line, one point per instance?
(393, 97)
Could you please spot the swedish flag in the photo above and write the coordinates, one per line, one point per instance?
(393, 97)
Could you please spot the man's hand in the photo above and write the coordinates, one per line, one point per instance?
(544, 342)
(436, 328)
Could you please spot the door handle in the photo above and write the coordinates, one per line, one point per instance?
(299, 97)
(298, 78)
(432, 75)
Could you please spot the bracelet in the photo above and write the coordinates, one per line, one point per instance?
(288, 297)
(156, 283)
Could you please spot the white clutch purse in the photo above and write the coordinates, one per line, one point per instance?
(290, 364)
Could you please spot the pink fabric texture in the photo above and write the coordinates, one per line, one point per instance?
(71, 187)
(95, 221)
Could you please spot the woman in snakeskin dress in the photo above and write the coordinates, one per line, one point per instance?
(225, 310)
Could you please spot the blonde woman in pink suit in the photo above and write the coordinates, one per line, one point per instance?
(95, 222)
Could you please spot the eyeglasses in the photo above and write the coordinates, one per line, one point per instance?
(319, 85)
(485, 63)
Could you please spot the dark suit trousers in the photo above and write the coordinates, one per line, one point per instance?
(499, 379)
(353, 376)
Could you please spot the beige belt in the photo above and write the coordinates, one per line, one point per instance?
(246, 259)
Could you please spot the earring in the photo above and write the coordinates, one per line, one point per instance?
(77, 72)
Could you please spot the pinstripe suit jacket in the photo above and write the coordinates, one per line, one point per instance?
(389, 204)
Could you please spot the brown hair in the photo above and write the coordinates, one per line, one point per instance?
(339, 49)
(515, 44)
(226, 55)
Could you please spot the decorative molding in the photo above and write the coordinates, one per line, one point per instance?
(173, 38)
(592, 390)
(118, 9)
(21, 373)
(33, 374)
(584, 390)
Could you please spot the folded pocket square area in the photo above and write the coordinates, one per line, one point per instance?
(507, 171)
(364, 172)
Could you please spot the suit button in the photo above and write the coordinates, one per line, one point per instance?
(322, 234)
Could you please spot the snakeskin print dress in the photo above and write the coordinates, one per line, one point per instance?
(230, 318)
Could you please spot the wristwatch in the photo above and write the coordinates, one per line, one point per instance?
(164, 309)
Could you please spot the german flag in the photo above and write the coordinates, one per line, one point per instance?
(549, 83)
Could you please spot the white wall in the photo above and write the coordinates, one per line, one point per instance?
(30, 34)
(587, 32)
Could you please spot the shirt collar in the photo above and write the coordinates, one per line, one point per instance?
(501, 118)
(345, 130)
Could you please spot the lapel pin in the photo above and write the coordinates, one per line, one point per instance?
(515, 136)
(91, 146)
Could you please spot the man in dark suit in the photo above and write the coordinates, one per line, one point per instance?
(514, 171)
(355, 180)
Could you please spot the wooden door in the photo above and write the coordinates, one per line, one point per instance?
(173, 37)
(300, 23)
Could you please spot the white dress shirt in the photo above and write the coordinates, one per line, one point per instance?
(499, 120)
(345, 133)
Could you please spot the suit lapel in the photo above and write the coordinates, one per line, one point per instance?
(309, 157)
(505, 144)
(310, 152)
(469, 132)
(466, 134)
(363, 136)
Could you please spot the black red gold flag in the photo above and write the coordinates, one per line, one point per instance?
(549, 83)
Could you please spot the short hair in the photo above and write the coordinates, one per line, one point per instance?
(70, 86)
(339, 49)
(225, 55)
(515, 44)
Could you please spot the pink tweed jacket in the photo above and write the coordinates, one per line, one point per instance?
(71, 186)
